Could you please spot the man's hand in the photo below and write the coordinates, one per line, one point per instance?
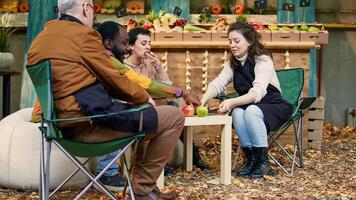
(151, 101)
(191, 98)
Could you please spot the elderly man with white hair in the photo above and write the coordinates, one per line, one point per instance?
(85, 80)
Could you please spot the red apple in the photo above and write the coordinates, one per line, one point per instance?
(147, 25)
(188, 110)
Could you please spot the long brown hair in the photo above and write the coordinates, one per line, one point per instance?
(253, 37)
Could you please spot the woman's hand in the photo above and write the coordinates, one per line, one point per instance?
(227, 105)
(154, 60)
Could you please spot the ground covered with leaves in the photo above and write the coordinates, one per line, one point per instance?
(328, 174)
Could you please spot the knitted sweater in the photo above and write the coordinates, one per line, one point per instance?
(264, 74)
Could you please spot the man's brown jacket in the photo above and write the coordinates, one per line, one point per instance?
(78, 60)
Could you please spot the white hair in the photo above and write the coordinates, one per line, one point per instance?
(68, 6)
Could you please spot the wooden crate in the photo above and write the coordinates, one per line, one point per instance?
(314, 145)
(168, 36)
(316, 113)
(189, 36)
(219, 36)
(321, 37)
(285, 36)
(315, 135)
(316, 123)
(265, 35)
(9, 6)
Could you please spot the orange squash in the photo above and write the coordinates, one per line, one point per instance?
(239, 8)
(216, 9)
(24, 7)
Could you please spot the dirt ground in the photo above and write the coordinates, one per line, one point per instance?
(328, 174)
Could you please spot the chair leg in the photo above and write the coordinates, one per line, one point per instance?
(301, 153)
(48, 166)
(294, 147)
(42, 192)
(86, 172)
(129, 169)
(67, 179)
(279, 164)
(128, 174)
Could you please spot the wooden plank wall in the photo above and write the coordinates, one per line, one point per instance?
(177, 70)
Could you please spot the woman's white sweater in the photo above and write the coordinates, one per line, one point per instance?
(264, 74)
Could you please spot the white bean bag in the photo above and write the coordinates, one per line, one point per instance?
(176, 159)
(20, 155)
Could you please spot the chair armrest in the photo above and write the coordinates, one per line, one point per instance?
(227, 96)
(139, 108)
(306, 102)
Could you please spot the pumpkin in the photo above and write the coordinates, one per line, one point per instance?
(216, 9)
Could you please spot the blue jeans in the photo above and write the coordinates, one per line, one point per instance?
(250, 127)
(105, 160)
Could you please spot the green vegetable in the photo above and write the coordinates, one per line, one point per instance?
(193, 28)
(204, 17)
(151, 16)
(283, 28)
(241, 18)
(273, 27)
(108, 6)
(304, 27)
(140, 22)
(313, 29)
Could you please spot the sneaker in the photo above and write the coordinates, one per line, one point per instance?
(113, 183)
(168, 170)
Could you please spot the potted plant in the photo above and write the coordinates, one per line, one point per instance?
(6, 57)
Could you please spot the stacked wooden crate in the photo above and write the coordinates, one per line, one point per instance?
(316, 123)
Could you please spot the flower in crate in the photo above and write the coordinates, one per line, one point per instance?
(5, 33)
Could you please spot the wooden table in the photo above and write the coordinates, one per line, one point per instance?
(6, 73)
(225, 163)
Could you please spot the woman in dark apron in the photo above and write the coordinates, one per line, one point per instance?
(259, 107)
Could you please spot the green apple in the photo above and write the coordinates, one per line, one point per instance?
(202, 111)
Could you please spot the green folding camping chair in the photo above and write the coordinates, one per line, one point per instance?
(40, 75)
(291, 82)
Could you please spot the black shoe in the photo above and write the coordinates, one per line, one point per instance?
(249, 161)
(113, 183)
(261, 166)
(197, 159)
(168, 171)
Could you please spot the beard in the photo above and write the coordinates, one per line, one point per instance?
(118, 55)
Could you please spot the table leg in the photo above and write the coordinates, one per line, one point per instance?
(225, 175)
(6, 96)
(188, 148)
